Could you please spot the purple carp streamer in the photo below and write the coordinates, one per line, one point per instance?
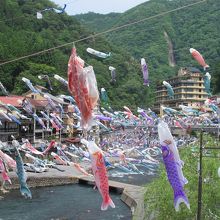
(144, 68)
(26, 105)
(51, 103)
(173, 165)
(113, 74)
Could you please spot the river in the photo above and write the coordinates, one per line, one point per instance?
(70, 202)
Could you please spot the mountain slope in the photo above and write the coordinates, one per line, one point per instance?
(21, 33)
(197, 26)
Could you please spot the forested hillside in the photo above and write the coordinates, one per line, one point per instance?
(159, 38)
(21, 34)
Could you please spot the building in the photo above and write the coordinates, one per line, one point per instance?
(36, 96)
(28, 127)
(188, 88)
(8, 128)
(31, 129)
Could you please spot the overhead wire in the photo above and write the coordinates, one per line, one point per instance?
(102, 33)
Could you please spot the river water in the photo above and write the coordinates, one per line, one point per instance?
(134, 179)
(70, 202)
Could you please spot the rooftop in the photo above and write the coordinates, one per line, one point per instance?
(38, 103)
(12, 100)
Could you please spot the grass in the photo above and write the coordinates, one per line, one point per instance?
(159, 194)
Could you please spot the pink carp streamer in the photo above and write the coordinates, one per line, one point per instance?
(58, 159)
(29, 146)
(100, 173)
(3, 171)
(198, 57)
(79, 168)
(51, 145)
(8, 160)
(82, 85)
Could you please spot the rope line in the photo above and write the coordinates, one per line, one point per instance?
(102, 33)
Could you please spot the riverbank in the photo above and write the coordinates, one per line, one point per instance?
(131, 195)
(159, 199)
(67, 202)
(52, 177)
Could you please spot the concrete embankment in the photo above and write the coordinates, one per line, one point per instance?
(132, 195)
(52, 177)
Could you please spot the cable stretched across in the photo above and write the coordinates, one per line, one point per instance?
(102, 33)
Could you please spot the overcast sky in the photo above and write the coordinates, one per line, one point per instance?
(98, 6)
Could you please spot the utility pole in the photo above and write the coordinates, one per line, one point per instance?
(199, 211)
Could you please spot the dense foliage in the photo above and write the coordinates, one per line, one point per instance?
(21, 33)
(197, 26)
(216, 78)
(159, 195)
